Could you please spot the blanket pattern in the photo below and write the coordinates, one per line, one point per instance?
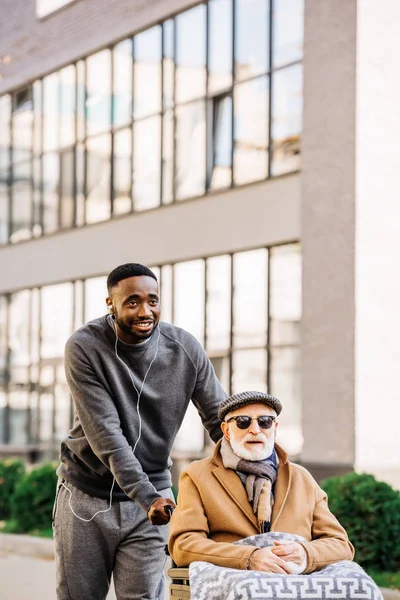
(344, 580)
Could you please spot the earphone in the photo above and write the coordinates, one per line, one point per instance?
(137, 409)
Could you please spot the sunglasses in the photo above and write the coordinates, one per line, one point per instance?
(244, 422)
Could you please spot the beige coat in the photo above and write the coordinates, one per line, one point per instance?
(213, 511)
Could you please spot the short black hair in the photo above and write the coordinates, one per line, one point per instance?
(125, 271)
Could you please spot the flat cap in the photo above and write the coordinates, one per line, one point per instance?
(243, 398)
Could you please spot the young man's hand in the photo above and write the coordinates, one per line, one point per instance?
(158, 514)
(266, 560)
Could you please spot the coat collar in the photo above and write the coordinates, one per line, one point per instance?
(235, 489)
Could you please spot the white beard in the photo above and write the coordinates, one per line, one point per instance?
(253, 454)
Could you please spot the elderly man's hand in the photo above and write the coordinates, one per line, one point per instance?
(289, 551)
(158, 514)
(265, 559)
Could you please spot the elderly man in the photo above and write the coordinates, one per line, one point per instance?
(249, 487)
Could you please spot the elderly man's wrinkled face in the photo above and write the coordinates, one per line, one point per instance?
(254, 442)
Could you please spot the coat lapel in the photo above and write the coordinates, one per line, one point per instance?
(282, 485)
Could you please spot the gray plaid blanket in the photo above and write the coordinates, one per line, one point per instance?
(344, 580)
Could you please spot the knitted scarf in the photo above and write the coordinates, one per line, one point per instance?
(258, 478)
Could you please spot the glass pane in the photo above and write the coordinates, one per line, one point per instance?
(34, 404)
(5, 118)
(67, 106)
(95, 298)
(190, 150)
(4, 210)
(67, 205)
(221, 170)
(286, 385)
(190, 436)
(98, 86)
(22, 124)
(147, 72)
(219, 45)
(250, 298)
(288, 31)
(252, 38)
(81, 100)
(189, 297)
(37, 117)
(18, 341)
(218, 303)
(166, 293)
(50, 112)
(251, 131)
(21, 202)
(191, 54)
(285, 294)
(122, 172)
(98, 205)
(221, 368)
(51, 178)
(146, 163)
(56, 318)
(63, 404)
(122, 107)
(80, 159)
(287, 110)
(35, 325)
(249, 371)
(168, 64)
(37, 197)
(18, 398)
(168, 158)
(78, 305)
(46, 403)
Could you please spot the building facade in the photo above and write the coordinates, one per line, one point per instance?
(220, 143)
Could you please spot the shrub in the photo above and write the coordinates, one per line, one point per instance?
(33, 499)
(369, 510)
(11, 472)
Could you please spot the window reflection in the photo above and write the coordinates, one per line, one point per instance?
(3, 362)
(37, 117)
(34, 325)
(252, 38)
(288, 30)
(147, 72)
(122, 99)
(249, 370)
(168, 158)
(80, 161)
(285, 294)
(80, 100)
(287, 108)
(18, 340)
(67, 106)
(37, 229)
(98, 85)
(98, 205)
(18, 401)
(95, 298)
(122, 202)
(21, 193)
(62, 404)
(251, 130)
(220, 45)
(190, 150)
(218, 308)
(50, 112)
(51, 180)
(220, 175)
(67, 204)
(250, 299)
(46, 416)
(4, 209)
(191, 54)
(56, 318)
(146, 163)
(166, 293)
(5, 138)
(168, 64)
(189, 297)
(22, 133)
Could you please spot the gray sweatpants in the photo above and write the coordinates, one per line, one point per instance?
(120, 541)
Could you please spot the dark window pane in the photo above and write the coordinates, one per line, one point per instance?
(146, 163)
(67, 106)
(147, 72)
(288, 30)
(50, 112)
(252, 38)
(251, 131)
(220, 45)
(98, 205)
(168, 157)
(249, 370)
(285, 294)
(191, 54)
(190, 150)
(287, 109)
(220, 154)
(250, 299)
(168, 64)
(67, 208)
(21, 202)
(122, 171)
(51, 179)
(122, 107)
(98, 85)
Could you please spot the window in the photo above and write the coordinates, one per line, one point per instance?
(191, 54)
(45, 7)
(220, 155)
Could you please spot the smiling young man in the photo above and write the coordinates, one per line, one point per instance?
(131, 378)
(249, 487)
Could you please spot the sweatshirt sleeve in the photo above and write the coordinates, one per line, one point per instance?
(102, 427)
(207, 395)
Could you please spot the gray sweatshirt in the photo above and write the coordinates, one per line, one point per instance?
(106, 424)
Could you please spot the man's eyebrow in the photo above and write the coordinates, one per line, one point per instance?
(138, 296)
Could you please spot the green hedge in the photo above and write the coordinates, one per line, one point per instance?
(11, 472)
(369, 510)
